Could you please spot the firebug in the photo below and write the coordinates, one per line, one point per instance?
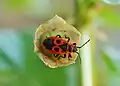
(61, 48)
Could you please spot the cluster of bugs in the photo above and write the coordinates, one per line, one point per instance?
(61, 48)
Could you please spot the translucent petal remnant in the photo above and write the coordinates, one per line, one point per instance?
(53, 27)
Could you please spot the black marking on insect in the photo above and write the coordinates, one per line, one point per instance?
(60, 47)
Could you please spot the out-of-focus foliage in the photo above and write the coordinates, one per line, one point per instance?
(31, 71)
(112, 2)
(111, 18)
(82, 9)
(109, 62)
(19, 5)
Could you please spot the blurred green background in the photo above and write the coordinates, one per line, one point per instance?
(20, 66)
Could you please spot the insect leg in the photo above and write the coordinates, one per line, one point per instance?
(58, 36)
(68, 38)
(63, 56)
(69, 56)
(79, 57)
(57, 56)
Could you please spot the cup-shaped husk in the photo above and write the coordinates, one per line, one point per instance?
(53, 27)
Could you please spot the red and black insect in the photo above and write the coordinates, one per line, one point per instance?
(60, 47)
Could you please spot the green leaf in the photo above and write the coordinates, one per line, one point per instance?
(109, 62)
(111, 17)
(6, 58)
(17, 4)
(9, 62)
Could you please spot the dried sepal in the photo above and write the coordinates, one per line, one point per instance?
(53, 27)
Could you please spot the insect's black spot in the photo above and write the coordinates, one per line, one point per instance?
(48, 43)
(63, 47)
(56, 49)
(58, 41)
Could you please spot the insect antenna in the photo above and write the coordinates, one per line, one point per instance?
(84, 44)
(81, 47)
